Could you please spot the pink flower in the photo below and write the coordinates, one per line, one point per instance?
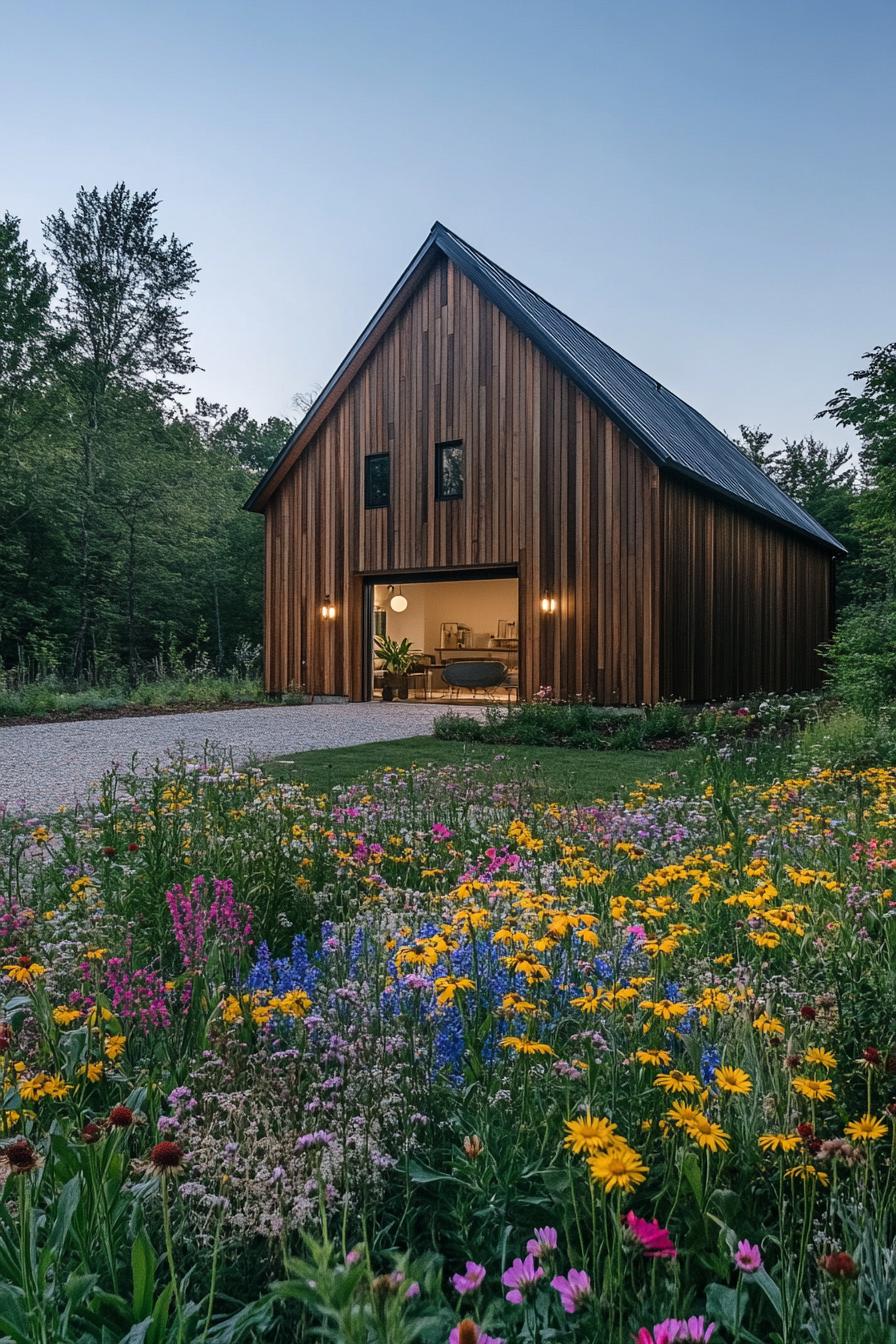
(673, 1330)
(471, 1280)
(574, 1289)
(543, 1242)
(694, 1328)
(747, 1258)
(440, 832)
(481, 1336)
(663, 1333)
(522, 1275)
(637, 931)
(654, 1240)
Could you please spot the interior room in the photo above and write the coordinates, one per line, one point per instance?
(463, 636)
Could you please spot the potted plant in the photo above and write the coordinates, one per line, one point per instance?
(397, 658)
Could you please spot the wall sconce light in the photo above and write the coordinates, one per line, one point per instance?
(398, 601)
(548, 602)
(327, 610)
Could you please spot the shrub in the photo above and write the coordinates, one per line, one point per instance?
(847, 741)
(861, 658)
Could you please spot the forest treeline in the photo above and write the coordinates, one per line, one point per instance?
(124, 549)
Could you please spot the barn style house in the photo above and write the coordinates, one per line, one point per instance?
(486, 479)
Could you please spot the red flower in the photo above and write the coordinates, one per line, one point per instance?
(91, 1133)
(166, 1157)
(18, 1158)
(120, 1117)
(133, 846)
(871, 1055)
(109, 850)
(5, 1036)
(840, 1265)
(805, 1130)
(808, 1012)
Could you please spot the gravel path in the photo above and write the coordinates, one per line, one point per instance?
(49, 764)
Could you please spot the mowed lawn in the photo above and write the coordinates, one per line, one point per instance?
(564, 775)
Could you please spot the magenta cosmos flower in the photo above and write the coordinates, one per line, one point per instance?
(543, 1242)
(747, 1257)
(470, 1280)
(654, 1240)
(574, 1288)
(520, 1277)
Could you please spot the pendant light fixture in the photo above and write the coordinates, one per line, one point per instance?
(398, 601)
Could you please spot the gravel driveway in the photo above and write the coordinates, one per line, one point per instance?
(49, 764)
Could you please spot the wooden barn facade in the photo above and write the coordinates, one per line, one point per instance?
(652, 559)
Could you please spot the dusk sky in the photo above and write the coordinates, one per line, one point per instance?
(709, 185)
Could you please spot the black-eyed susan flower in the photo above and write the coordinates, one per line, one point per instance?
(707, 1133)
(590, 1134)
(768, 1026)
(677, 1081)
(619, 1168)
(813, 1089)
(868, 1129)
(807, 1171)
(733, 1080)
(821, 1058)
(523, 1045)
(779, 1143)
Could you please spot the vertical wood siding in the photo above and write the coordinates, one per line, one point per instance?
(661, 590)
(745, 605)
(551, 486)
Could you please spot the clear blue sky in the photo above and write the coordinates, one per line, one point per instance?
(707, 184)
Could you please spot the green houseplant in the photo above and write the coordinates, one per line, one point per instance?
(397, 657)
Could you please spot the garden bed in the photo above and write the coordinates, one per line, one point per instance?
(132, 711)
(438, 1047)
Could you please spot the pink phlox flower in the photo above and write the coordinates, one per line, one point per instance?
(747, 1257)
(543, 1242)
(574, 1288)
(440, 832)
(522, 1275)
(470, 1280)
(654, 1240)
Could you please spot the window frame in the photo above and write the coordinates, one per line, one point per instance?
(382, 503)
(440, 473)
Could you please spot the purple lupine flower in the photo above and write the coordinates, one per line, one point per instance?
(470, 1280)
(520, 1277)
(574, 1288)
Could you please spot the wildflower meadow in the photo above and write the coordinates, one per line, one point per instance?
(436, 1057)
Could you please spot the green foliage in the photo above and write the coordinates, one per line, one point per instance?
(847, 741)
(592, 728)
(396, 655)
(121, 518)
(861, 658)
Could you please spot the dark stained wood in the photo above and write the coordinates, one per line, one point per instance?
(745, 604)
(661, 591)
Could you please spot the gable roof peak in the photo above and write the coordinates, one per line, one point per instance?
(678, 438)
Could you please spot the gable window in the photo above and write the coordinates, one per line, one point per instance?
(376, 481)
(450, 470)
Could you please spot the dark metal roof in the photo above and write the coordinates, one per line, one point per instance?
(676, 436)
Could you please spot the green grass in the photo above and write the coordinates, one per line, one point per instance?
(565, 775)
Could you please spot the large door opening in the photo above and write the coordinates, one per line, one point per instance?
(459, 637)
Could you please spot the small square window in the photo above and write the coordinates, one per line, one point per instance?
(450, 470)
(376, 481)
